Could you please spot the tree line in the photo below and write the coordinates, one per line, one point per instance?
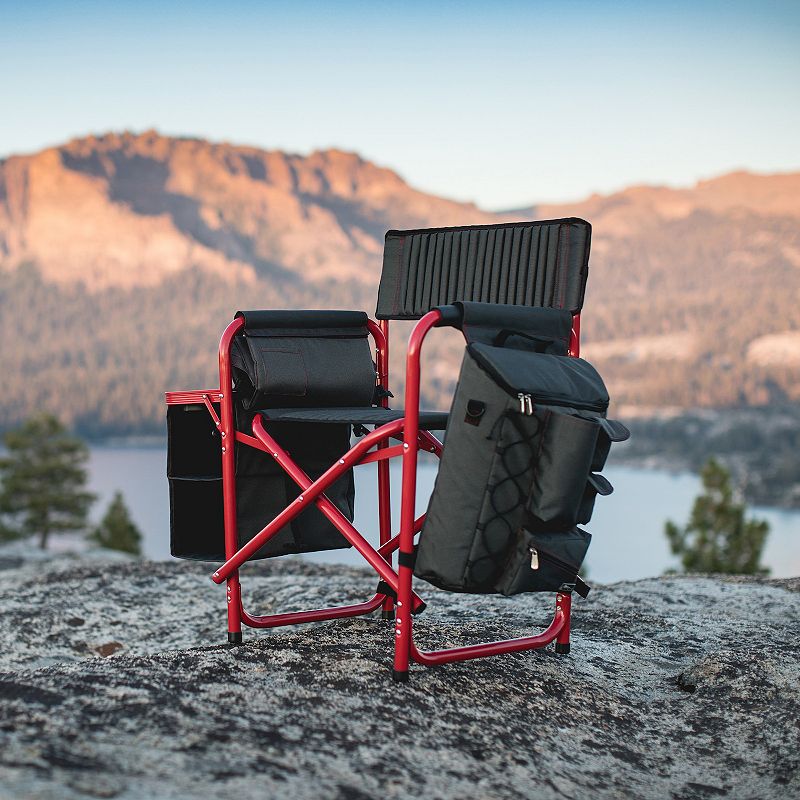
(101, 360)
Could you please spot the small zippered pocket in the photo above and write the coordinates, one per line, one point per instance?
(545, 562)
(543, 379)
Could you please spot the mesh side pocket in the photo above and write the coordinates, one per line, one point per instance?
(562, 470)
(507, 491)
(544, 561)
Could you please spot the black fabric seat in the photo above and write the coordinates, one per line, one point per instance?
(366, 415)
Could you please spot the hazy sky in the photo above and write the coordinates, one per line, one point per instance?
(501, 103)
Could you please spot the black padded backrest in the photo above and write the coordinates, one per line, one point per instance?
(520, 263)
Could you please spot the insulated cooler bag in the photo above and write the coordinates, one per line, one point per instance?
(525, 443)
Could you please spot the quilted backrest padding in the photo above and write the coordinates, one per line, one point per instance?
(521, 263)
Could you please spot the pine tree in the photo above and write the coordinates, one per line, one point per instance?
(116, 530)
(43, 481)
(717, 537)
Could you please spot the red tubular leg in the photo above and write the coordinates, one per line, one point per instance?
(491, 648)
(227, 435)
(384, 481)
(575, 336)
(384, 509)
(564, 603)
(318, 615)
(405, 559)
(385, 524)
(557, 630)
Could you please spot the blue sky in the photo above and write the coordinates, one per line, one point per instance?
(502, 103)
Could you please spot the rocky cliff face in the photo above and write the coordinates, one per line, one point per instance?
(114, 684)
(131, 210)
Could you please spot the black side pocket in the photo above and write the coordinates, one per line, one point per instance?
(544, 561)
(596, 485)
(194, 470)
(562, 469)
(611, 431)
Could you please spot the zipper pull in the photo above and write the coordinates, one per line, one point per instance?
(534, 558)
(521, 398)
(529, 402)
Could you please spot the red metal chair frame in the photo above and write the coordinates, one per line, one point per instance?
(379, 560)
(405, 649)
(413, 439)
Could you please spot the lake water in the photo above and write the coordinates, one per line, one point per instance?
(628, 540)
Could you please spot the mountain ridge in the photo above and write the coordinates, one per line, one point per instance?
(737, 186)
(145, 190)
(140, 207)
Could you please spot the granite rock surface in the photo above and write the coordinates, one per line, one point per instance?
(115, 682)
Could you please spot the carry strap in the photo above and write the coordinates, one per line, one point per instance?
(503, 335)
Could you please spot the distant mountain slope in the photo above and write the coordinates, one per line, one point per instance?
(637, 208)
(694, 292)
(123, 256)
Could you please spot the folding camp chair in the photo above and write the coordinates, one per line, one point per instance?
(267, 397)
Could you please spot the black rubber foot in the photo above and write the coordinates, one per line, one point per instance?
(419, 609)
(400, 677)
(234, 638)
(387, 614)
(562, 649)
